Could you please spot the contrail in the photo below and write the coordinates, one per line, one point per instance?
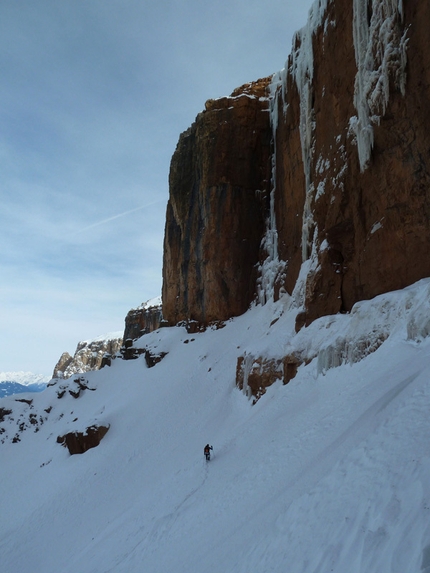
(124, 214)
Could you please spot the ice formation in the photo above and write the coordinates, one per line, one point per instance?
(380, 43)
(380, 53)
(272, 267)
(403, 313)
(302, 72)
(302, 69)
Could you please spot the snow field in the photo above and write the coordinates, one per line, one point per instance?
(328, 473)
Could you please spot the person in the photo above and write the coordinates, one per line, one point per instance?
(207, 452)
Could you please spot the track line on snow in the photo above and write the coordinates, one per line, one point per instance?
(162, 525)
(355, 433)
(359, 430)
(308, 477)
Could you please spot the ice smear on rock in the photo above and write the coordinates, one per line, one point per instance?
(272, 267)
(302, 70)
(380, 53)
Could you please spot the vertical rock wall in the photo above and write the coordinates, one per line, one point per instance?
(366, 182)
(142, 320)
(219, 183)
(342, 161)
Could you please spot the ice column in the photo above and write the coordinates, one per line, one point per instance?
(272, 266)
(302, 72)
(302, 69)
(380, 53)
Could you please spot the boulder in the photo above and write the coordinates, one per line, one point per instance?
(80, 442)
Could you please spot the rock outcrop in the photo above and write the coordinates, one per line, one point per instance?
(89, 355)
(219, 183)
(81, 442)
(353, 111)
(254, 374)
(144, 319)
(315, 183)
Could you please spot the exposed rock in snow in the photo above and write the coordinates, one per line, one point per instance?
(80, 442)
(143, 319)
(336, 340)
(88, 356)
(334, 460)
(254, 374)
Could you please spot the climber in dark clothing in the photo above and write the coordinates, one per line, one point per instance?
(207, 452)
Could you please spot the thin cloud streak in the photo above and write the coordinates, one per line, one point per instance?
(114, 217)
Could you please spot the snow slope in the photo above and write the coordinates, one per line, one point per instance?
(328, 473)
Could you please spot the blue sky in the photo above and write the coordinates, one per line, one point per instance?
(93, 97)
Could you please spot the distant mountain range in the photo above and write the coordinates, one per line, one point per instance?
(9, 388)
(18, 382)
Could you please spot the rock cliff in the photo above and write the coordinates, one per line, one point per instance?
(219, 183)
(314, 182)
(97, 353)
(143, 319)
(88, 356)
(354, 99)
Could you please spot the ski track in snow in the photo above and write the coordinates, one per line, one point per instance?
(307, 478)
(159, 529)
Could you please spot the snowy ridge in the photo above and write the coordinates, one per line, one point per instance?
(103, 337)
(24, 378)
(149, 303)
(380, 53)
(328, 473)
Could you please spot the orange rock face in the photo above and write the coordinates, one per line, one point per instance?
(370, 224)
(349, 135)
(219, 181)
(142, 320)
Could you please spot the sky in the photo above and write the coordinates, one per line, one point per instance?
(93, 97)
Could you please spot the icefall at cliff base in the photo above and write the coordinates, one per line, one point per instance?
(380, 44)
